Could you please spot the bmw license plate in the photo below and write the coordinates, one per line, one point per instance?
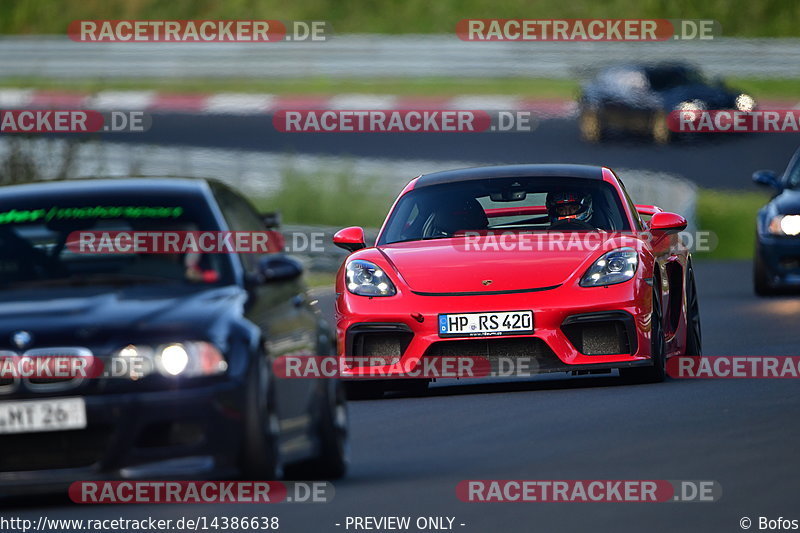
(58, 414)
(486, 324)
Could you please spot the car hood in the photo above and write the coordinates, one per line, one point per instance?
(102, 319)
(511, 263)
(713, 97)
(787, 202)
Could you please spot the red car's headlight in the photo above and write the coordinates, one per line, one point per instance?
(616, 266)
(368, 279)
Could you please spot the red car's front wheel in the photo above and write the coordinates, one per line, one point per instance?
(658, 348)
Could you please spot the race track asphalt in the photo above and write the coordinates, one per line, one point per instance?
(723, 161)
(409, 452)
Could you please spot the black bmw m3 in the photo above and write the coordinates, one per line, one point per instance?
(203, 401)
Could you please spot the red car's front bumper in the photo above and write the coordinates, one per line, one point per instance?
(403, 328)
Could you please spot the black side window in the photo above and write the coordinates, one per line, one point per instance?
(792, 177)
(637, 221)
(240, 216)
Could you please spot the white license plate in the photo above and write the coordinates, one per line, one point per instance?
(57, 414)
(486, 324)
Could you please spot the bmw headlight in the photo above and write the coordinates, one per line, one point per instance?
(691, 108)
(785, 225)
(178, 359)
(368, 279)
(616, 266)
(173, 359)
(745, 102)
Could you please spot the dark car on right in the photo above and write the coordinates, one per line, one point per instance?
(638, 97)
(776, 265)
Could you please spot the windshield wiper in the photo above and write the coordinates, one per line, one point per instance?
(433, 237)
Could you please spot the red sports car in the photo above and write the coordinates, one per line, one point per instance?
(550, 264)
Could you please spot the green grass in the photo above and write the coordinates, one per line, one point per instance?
(775, 89)
(768, 89)
(764, 18)
(330, 198)
(731, 216)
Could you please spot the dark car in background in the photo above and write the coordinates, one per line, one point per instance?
(638, 97)
(776, 263)
(207, 402)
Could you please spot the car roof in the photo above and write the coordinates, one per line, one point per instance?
(511, 171)
(116, 186)
(675, 66)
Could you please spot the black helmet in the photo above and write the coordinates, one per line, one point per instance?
(565, 205)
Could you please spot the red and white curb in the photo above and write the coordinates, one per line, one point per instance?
(250, 104)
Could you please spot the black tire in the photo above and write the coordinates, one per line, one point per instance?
(658, 371)
(412, 386)
(364, 390)
(332, 458)
(590, 125)
(659, 129)
(260, 456)
(761, 283)
(694, 331)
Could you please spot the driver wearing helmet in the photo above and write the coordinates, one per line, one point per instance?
(569, 211)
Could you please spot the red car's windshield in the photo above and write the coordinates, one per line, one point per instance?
(508, 204)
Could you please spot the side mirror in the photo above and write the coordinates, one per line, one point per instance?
(767, 178)
(351, 239)
(667, 223)
(271, 220)
(279, 267)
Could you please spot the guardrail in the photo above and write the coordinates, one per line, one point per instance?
(259, 174)
(361, 56)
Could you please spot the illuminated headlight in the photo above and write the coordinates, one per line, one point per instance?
(185, 359)
(785, 225)
(133, 362)
(173, 359)
(616, 266)
(368, 279)
(690, 109)
(190, 359)
(745, 102)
